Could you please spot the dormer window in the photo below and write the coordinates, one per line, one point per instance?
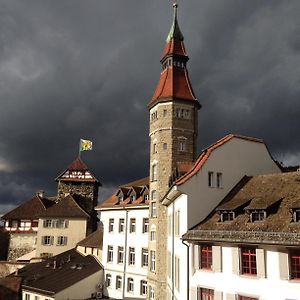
(120, 198)
(132, 197)
(227, 216)
(258, 215)
(296, 215)
(146, 197)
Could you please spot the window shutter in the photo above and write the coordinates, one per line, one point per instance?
(193, 295)
(260, 263)
(51, 240)
(216, 259)
(65, 240)
(283, 265)
(217, 295)
(44, 223)
(66, 223)
(196, 257)
(230, 297)
(235, 260)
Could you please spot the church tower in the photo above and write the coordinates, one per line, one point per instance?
(173, 136)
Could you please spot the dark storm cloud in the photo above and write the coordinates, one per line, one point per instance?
(71, 69)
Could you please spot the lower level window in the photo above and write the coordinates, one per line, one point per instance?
(246, 298)
(205, 294)
(130, 285)
(61, 240)
(295, 264)
(118, 282)
(47, 240)
(143, 287)
(108, 280)
(151, 292)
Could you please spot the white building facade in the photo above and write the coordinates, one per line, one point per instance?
(194, 195)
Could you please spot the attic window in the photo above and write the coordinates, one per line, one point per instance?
(258, 215)
(120, 198)
(296, 215)
(227, 216)
(146, 197)
(132, 198)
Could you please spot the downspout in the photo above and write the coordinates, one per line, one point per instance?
(125, 254)
(173, 246)
(188, 270)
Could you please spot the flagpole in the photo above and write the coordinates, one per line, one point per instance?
(79, 152)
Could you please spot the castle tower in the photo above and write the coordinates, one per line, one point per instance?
(78, 180)
(173, 134)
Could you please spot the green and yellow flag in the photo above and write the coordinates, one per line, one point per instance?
(85, 145)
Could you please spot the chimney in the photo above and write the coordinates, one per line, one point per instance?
(40, 194)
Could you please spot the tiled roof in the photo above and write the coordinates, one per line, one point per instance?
(65, 208)
(10, 288)
(30, 209)
(174, 47)
(114, 202)
(58, 272)
(174, 83)
(77, 166)
(208, 151)
(94, 240)
(278, 194)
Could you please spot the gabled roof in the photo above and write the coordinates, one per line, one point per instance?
(77, 171)
(208, 151)
(65, 208)
(10, 288)
(114, 202)
(30, 209)
(94, 240)
(58, 272)
(280, 193)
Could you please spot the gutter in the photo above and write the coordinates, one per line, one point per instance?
(188, 270)
(125, 254)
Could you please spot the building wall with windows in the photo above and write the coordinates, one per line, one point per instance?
(269, 274)
(125, 251)
(191, 201)
(58, 235)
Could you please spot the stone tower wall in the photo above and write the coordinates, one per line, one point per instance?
(166, 130)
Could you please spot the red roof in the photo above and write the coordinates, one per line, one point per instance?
(77, 165)
(174, 82)
(207, 152)
(174, 46)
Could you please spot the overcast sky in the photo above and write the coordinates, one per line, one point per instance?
(72, 69)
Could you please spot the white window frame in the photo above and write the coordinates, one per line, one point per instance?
(132, 225)
(152, 261)
(111, 223)
(145, 225)
(131, 256)
(145, 257)
(110, 253)
(108, 280)
(61, 240)
(118, 282)
(143, 291)
(121, 225)
(120, 258)
(130, 285)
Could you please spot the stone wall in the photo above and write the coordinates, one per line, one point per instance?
(20, 244)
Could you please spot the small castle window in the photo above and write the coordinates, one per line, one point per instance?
(211, 179)
(219, 180)
(154, 148)
(165, 146)
(182, 145)
(165, 112)
(257, 215)
(154, 116)
(154, 172)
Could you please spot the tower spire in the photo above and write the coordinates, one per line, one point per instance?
(175, 32)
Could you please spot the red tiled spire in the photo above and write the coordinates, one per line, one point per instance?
(174, 82)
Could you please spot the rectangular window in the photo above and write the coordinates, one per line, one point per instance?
(27, 296)
(61, 241)
(152, 235)
(36, 297)
(295, 264)
(143, 287)
(108, 280)
(205, 256)
(144, 257)
(131, 254)
(110, 253)
(248, 261)
(211, 179)
(219, 180)
(152, 263)
(296, 215)
(151, 293)
(154, 148)
(145, 225)
(246, 298)
(258, 215)
(146, 197)
(154, 172)
(153, 212)
(227, 216)
(120, 255)
(61, 223)
(47, 223)
(132, 225)
(130, 285)
(182, 146)
(177, 273)
(121, 225)
(118, 282)
(47, 240)
(165, 112)
(111, 225)
(205, 294)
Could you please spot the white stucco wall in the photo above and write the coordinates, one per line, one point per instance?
(272, 287)
(234, 160)
(138, 240)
